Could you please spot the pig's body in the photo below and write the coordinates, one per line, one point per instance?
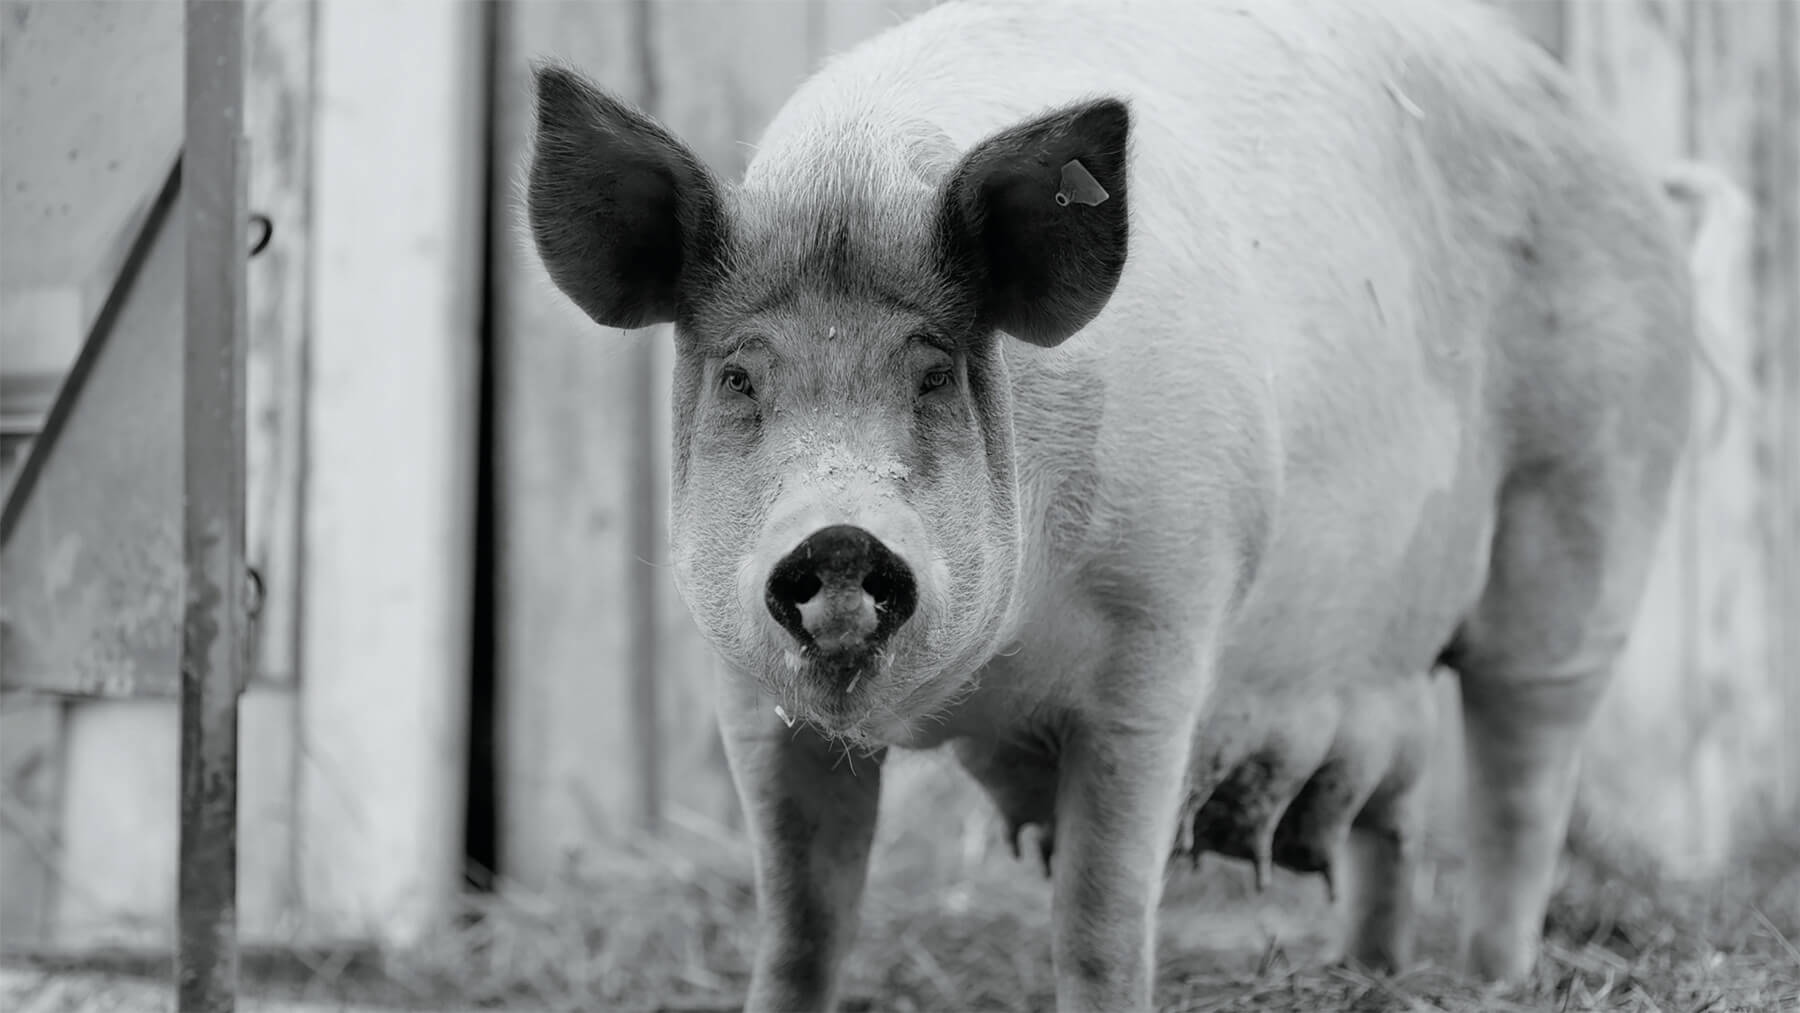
(1342, 327)
(1395, 375)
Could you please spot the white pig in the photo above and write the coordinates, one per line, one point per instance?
(1140, 398)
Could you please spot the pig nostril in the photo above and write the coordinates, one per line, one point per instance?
(891, 585)
(878, 589)
(797, 588)
(882, 588)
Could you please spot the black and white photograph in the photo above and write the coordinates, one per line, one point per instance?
(899, 506)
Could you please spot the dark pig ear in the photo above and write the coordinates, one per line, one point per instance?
(623, 214)
(1035, 217)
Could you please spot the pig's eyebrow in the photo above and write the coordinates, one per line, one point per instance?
(901, 303)
(784, 292)
(775, 296)
(746, 342)
(934, 340)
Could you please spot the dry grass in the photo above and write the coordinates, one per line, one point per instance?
(952, 922)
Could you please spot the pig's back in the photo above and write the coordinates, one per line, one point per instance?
(1288, 155)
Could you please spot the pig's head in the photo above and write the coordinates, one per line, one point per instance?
(845, 517)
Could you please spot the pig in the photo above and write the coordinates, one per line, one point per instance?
(1140, 400)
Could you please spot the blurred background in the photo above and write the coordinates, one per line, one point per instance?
(475, 697)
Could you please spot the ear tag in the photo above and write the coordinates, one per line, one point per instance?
(1079, 186)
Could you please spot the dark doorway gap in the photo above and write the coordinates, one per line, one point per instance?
(481, 829)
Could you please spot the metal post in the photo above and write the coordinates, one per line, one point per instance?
(213, 655)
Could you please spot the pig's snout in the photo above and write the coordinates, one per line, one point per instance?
(841, 592)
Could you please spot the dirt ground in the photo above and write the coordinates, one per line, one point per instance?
(952, 922)
(32, 990)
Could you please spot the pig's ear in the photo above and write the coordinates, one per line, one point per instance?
(1035, 217)
(622, 213)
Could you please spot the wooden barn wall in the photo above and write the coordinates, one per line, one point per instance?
(398, 190)
(606, 724)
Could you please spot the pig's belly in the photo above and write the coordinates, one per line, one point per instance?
(1274, 779)
(1371, 568)
(1322, 709)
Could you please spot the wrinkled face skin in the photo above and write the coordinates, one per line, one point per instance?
(843, 387)
(845, 514)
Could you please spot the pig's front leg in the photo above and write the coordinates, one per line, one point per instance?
(1119, 791)
(811, 814)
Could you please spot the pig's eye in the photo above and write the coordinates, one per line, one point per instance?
(937, 379)
(736, 380)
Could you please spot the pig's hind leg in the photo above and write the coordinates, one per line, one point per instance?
(1568, 565)
(1386, 834)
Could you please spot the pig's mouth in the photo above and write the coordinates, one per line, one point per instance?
(843, 667)
(851, 696)
(867, 706)
(840, 684)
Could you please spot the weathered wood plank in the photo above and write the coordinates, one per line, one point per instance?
(1744, 741)
(31, 765)
(90, 581)
(278, 122)
(398, 141)
(83, 150)
(42, 332)
(111, 847)
(563, 435)
(1777, 318)
(1780, 323)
